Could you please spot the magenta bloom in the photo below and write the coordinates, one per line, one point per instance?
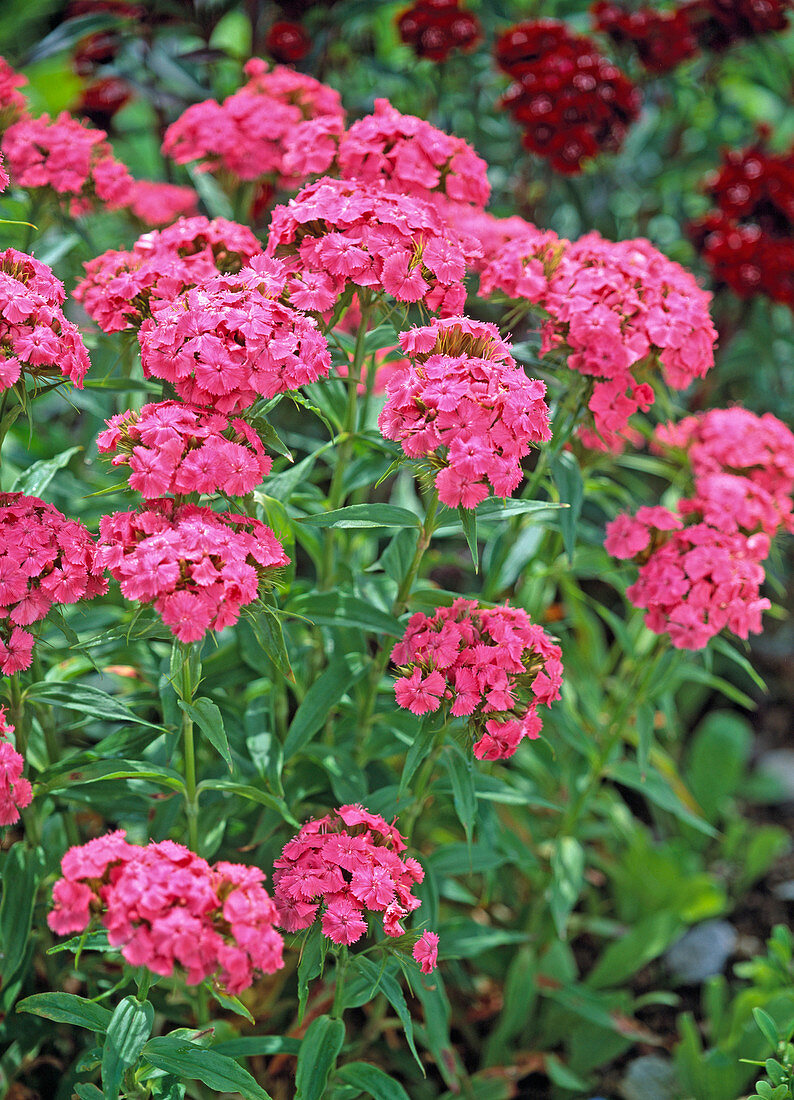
(335, 233)
(120, 288)
(159, 204)
(13, 103)
(248, 134)
(167, 908)
(461, 401)
(68, 157)
(495, 666)
(174, 448)
(15, 792)
(346, 864)
(616, 312)
(36, 339)
(45, 558)
(228, 341)
(198, 567)
(426, 952)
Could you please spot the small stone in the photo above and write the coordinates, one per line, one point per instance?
(702, 951)
(650, 1078)
(778, 765)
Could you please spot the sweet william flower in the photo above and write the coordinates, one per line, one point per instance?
(15, 792)
(198, 568)
(426, 952)
(492, 666)
(461, 401)
(167, 908)
(175, 448)
(342, 867)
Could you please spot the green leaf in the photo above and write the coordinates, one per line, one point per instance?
(35, 479)
(319, 700)
(211, 193)
(216, 1071)
(252, 793)
(208, 718)
(317, 1057)
(269, 634)
(67, 1008)
(21, 870)
(567, 477)
(364, 515)
(767, 1026)
(567, 867)
(257, 1045)
(371, 1080)
(129, 1028)
(468, 521)
(310, 964)
(640, 945)
(461, 774)
(656, 790)
(103, 770)
(717, 760)
(269, 436)
(342, 609)
(387, 984)
(89, 701)
(417, 751)
(88, 1092)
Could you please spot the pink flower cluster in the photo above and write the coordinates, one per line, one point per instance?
(166, 908)
(409, 154)
(228, 341)
(69, 157)
(693, 581)
(119, 287)
(156, 203)
(36, 339)
(742, 465)
(45, 558)
(197, 566)
(248, 134)
(617, 311)
(13, 103)
(171, 447)
(461, 401)
(335, 233)
(495, 665)
(348, 863)
(15, 792)
(3, 175)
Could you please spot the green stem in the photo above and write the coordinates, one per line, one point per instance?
(336, 493)
(144, 983)
(339, 977)
(398, 607)
(186, 691)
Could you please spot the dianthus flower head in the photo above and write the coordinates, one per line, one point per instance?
(157, 204)
(693, 581)
(411, 156)
(462, 402)
(571, 102)
(169, 909)
(617, 312)
(247, 135)
(335, 233)
(45, 559)
(3, 175)
(71, 159)
(287, 42)
(718, 24)
(120, 287)
(36, 339)
(434, 28)
(197, 567)
(175, 448)
(662, 39)
(492, 666)
(746, 239)
(13, 103)
(742, 465)
(340, 868)
(229, 341)
(15, 792)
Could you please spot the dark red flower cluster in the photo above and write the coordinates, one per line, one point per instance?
(748, 238)
(434, 28)
(571, 102)
(287, 42)
(663, 39)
